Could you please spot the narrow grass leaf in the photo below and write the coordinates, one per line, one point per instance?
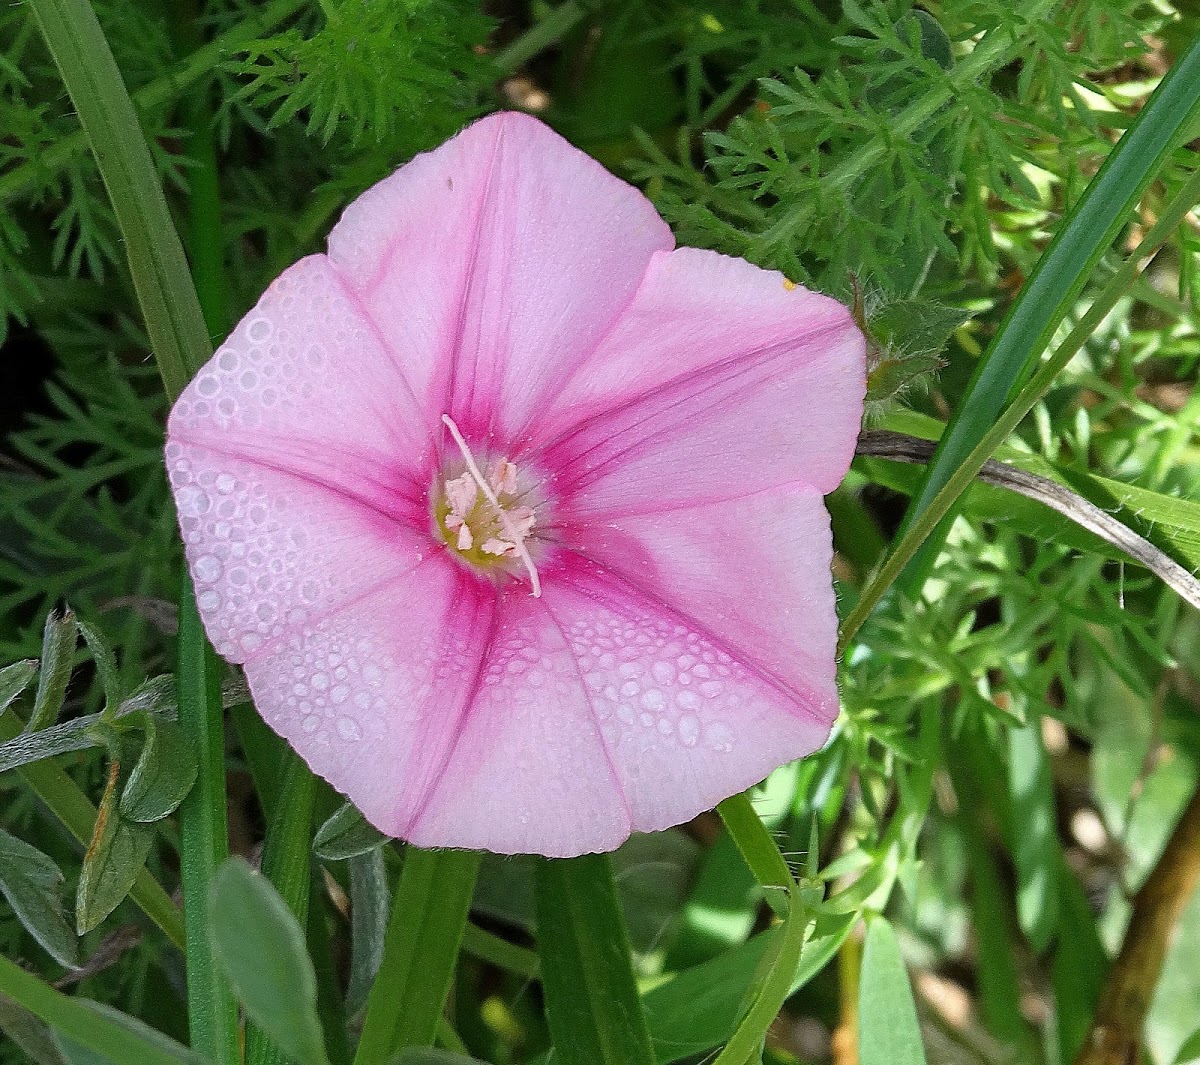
(261, 946)
(33, 885)
(59, 637)
(29, 1034)
(1056, 283)
(592, 1004)
(164, 773)
(420, 952)
(346, 834)
(888, 1031)
(1033, 834)
(758, 847)
(116, 1037)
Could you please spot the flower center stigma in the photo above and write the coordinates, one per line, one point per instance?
(481, 518)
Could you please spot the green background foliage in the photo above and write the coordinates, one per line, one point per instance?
(948, 880)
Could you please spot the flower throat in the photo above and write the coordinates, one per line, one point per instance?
(480, 517)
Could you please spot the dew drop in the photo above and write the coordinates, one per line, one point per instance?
(689, 730)
(208, 568)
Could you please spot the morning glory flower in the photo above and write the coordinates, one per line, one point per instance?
(513, 511)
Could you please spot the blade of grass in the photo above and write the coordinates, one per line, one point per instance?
(1055, 286)
(939, 506)
(204, 839)
(180, 340)
(112, 1036)
(285, 864)
(78, 816)
(592, 1004)
(419, 952)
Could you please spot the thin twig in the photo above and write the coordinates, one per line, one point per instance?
(899, 447)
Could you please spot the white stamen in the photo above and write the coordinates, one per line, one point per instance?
(498, 547)
(514, 535)
(465, 540)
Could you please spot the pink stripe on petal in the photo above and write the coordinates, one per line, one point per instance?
(496, 263)
(753, 570)
(530, 771)
(374, 696)
(270, 551)
(306, 374)
(718, 380)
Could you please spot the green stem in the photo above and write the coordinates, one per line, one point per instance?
(78, 816)
(285, 864)
(204, 841)
(26, 178)
(419, 952)
(928, 519)
(758, 847)
(540, 36)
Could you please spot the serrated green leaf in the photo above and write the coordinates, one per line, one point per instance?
(163, 775)
(14, 680)
(346, 834)
(888, 1031)
(916, 325)
(58, 657)
(260, 945)
(32, 884)
(113, 859)
(592, 1004)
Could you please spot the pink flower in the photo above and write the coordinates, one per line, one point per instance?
(514, 514)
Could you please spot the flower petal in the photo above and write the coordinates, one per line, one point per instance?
(755, 571)
(305, 383)
(530, 773)
(717, 381)
(373, 696)
(270, 550)
(495, 264)
(629, 717)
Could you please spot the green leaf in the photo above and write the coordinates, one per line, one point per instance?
(888, 1032)
(118, 1038)
(1056, 283)
(106, 666)
(58, 658)
(1033, 835)
(346, 834)
(15, 679)
(368, 924)
(698, 1008)
(32, 884)
(77, 1052)
(419, 952)
(164, 773)
(113, 860)
(430, 1056)
(260, 944)
(745, 1047)
(30, 1034)
(1189, 1053)
(592, 1004)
